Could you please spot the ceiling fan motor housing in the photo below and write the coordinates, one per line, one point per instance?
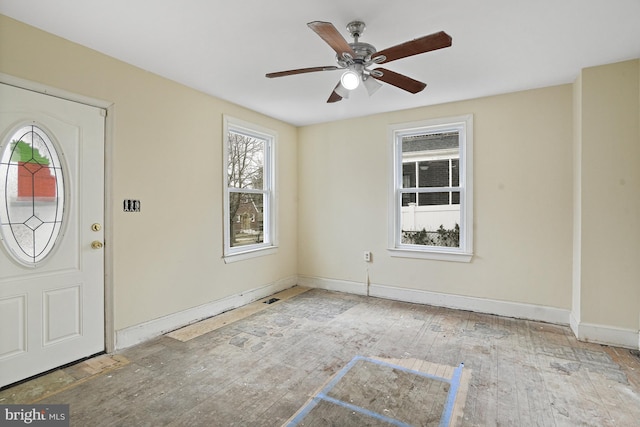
(363, 53)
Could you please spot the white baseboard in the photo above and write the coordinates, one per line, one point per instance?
(479, 305)
(333, 285)
(600, 334)
(136, 334)
(607, 335)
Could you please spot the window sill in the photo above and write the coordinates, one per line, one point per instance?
(434, 255)
(248, 254)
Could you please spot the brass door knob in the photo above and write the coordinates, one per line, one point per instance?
(96, 244)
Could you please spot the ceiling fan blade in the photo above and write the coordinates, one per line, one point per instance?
(424, 44)
(301, 71)
(332, 37)
(335, 96)
(399, 80)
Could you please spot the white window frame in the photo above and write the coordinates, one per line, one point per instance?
(270, 241)
(464, 126)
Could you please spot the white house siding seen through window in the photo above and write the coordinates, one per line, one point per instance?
(431, 213)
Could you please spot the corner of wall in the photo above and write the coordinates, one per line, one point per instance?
(577, 201)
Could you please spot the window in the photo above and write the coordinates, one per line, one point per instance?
(431, 196)
(249, 219)
(32, 196)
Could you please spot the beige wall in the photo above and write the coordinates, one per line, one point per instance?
(522, 212)
(166, 151)
(546, 162)
(608, 189)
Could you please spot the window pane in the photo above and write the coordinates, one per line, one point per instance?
(455, 198)
(433, 173)
(31, 194)
(455, 172)
(246, 212)
(430, 142)
(431, 160)
(432, 199)
(408, 175)
(420, 226)
(245, 166)
(408, 198)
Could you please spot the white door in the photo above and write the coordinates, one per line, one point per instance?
(51, 214)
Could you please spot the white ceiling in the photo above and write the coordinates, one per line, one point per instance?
(225, 48)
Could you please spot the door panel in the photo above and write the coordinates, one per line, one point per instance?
(51, 307)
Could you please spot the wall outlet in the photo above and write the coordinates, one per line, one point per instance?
(367, 256)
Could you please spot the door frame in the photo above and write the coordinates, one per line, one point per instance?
(109, 325)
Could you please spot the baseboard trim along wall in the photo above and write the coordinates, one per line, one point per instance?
(136, 334)
(479, 305)
(599, 334)
(606, 335)
(333, 285)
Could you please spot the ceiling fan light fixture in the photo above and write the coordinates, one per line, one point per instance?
(342, 91)
(372, 85)
(350, 80)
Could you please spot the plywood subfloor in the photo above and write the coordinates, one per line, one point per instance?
(195, 330)
(261, 369)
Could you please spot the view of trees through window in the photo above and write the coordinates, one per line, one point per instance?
(245, 181)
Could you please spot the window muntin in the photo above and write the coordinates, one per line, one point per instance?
(32, 196)
(249, 188)
(431, 196)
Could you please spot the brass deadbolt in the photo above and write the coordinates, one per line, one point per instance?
(96, 227)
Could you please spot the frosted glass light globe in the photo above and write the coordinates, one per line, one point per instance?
(350, 80)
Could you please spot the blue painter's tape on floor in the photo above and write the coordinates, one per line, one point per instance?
(365, 411)
(451, 398)
(323, 394)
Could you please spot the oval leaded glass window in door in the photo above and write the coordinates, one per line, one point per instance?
(31, 194)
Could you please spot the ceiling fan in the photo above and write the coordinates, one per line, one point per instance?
(356, 58)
